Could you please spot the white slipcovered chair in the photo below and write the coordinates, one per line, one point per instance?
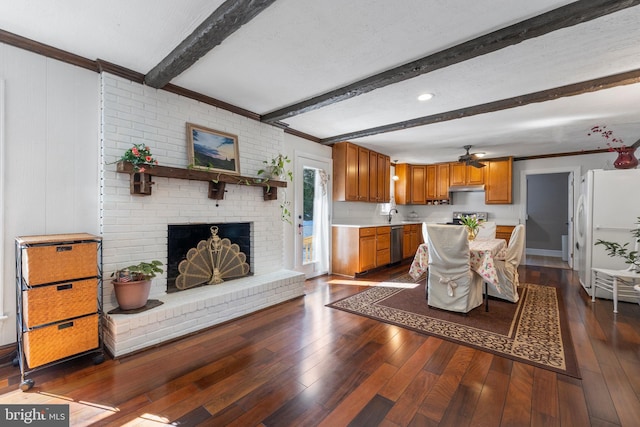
(487, 230)
(451, 284)
(507, 268)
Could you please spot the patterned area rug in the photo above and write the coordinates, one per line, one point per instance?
(533, 331)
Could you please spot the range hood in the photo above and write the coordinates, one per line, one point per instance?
(461, 188)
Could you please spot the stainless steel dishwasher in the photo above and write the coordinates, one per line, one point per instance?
(396, 243)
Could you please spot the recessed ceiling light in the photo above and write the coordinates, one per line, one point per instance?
(425, 97)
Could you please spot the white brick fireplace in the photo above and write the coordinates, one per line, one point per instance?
(134, 227)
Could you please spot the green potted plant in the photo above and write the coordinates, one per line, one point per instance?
(133, 284)
(472, 225)
(615, 249)
(276, 168)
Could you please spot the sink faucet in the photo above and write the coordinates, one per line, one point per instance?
(391, 213)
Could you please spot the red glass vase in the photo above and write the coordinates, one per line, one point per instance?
(626, 158)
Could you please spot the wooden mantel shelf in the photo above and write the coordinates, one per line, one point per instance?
(141, 181)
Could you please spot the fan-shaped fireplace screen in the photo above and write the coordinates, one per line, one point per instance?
(210, 262)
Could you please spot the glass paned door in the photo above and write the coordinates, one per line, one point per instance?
(313, 211)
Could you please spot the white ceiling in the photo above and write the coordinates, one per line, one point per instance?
(298, 49)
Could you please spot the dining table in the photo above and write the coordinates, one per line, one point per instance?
(482, 256)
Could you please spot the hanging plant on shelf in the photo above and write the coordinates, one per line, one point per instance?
(276, 168)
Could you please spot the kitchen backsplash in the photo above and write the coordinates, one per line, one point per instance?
(372, 213)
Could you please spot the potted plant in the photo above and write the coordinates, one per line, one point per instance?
(140, 157)
(615, 249)
(276, 168)
(133, 283)
(472, 225)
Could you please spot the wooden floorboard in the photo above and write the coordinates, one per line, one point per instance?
(302, 363)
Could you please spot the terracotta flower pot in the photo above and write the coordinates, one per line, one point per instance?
(132, 295)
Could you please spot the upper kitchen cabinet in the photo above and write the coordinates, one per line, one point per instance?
(411, 186)
(437, 181)
(498, 181)
(442, 181)
(379, 178)
(461, 174)
(358, 174)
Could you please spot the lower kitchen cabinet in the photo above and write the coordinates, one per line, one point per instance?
(411, 239)
(504, 232)
(359, 249)
(383, 246)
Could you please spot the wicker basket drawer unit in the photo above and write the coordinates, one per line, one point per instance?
(59, 340)
(47, 264)
(58, 300)
(52, 303)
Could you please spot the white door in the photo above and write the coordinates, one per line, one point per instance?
(312, 216)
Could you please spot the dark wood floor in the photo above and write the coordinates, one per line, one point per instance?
(300, 363)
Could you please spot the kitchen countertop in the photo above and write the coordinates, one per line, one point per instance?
(363, 225)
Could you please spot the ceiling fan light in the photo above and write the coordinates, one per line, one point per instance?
(425, 97)
(479, 154)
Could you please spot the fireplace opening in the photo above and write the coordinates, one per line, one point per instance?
(182, 237)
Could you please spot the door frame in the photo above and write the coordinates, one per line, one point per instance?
(303, 159)
(573, 190)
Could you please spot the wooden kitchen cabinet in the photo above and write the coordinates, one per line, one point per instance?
(363, 174)
(461, 174)
(411, 187)
(379, 178)
(353, 250)
(411, 239)
(499, 177)
(384, 164)
(383, 246)
(437, 177)
(351, 172)
(360, 175)
(432, 182)
(418, 184)
(504, 232)
(442, 181)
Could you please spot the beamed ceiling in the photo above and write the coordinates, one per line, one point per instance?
(510, 77)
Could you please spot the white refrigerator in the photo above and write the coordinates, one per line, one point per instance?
(608, 208)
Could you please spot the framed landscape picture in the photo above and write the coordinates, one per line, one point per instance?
(212, 150)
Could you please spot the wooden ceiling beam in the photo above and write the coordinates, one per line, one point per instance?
(563, 17)
(626, 78)
(223, 22)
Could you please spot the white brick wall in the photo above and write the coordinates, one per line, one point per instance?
(134, 228)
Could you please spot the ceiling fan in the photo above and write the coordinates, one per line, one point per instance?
(470, 159)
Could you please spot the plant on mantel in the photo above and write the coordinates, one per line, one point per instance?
(140, 157)
(277, 168)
